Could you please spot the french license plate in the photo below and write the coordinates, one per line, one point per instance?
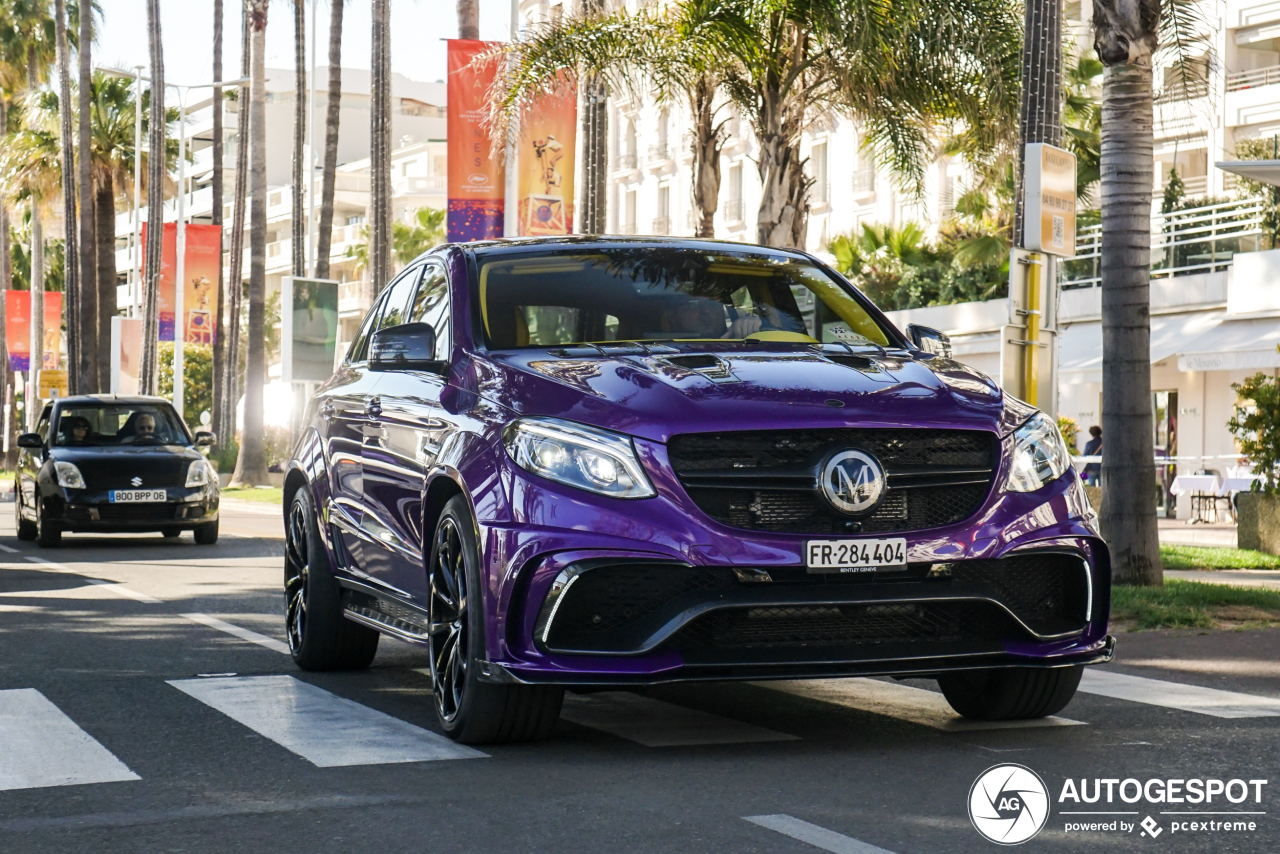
(132, 496)
(855, 555)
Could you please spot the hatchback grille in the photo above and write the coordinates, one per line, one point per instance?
(142, 512)
(767, 481)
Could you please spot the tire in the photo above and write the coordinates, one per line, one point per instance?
(207, 534)
(171, 533)
(26, 528)
(48, 533)
(1012, 694)
(320, 637)
(469, 710)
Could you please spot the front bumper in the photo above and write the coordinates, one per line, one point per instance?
(88, 511)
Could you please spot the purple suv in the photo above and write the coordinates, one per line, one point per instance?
(616, 462)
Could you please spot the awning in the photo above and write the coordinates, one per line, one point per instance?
(1233, 345)
(1080, 344)
(1266, 171)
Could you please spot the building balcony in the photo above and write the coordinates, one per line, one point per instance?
(1250, 13)
(863, 183)
(626, 161)
(733, 211)
(820, 193)
(627, 228)
(1252, 97)
(1240, 80)
(661, 225)
(419, 186)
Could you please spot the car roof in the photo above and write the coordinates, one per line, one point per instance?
(580, 241)
(125, 399)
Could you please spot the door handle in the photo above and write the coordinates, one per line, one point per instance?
(373, 406)
(328, 411)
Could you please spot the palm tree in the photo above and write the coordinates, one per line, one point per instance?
(219, 335)
(79, 332)
(299, 136)
(251, 466)
(324, 233)
(380, 150)
(469, 19)
(1127, 37)
(99, 297)
(149, 373)
(232, 377)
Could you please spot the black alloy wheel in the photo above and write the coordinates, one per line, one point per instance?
(448, 621)
(320, 637)
(48, 532)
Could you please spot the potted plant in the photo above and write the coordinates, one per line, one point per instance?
(1256, 426)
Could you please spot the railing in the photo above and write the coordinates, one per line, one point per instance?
(1195, 185)
(627, 160)
(1257, 77)
(733, 211)
(661, 225)
(659, 153)
(627, 228)
(821, 192)
(417, 184)
(1196, 240)
(864, 180)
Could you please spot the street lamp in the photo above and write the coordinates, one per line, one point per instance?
(179, 290)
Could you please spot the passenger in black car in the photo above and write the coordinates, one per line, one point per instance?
(75, 430)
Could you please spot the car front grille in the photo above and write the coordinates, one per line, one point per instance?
(768, 480)
(141, 512)
(621, 608)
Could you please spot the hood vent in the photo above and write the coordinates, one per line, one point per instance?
(706, 365)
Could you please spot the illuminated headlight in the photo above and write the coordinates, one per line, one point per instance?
(1039, 455)
(68, 475)
(577, 455)
(199, 474)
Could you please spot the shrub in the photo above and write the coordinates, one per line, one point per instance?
(1256, 426)
(197, 378)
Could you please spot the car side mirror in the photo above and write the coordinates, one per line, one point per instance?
(30, 440)
(407, 347)
(206, 439)
(930, 340)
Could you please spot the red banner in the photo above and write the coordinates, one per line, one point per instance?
(545, 159)
(17, 321)
(477, 182)
(199, 298)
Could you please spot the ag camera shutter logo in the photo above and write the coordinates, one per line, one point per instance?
(1008, 804)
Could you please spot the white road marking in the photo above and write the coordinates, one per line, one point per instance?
(1176, 695)
(8, 549)
(901, 701)
(40, 746)
(654, 723)
(114, 587)
(243, 634)
(324, 729)
(812, 834)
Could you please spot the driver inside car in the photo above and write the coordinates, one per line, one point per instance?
(144, 429)
(704, 317)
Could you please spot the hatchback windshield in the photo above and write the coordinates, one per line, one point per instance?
(665, 294)
(119, 424)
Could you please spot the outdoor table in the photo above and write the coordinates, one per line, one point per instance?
(1202, 488)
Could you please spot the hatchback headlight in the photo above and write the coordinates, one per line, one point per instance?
(198, 474)
(577, 455)
(68, 475)
(1039, 455)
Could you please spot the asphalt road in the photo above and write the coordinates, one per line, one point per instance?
(126, 726)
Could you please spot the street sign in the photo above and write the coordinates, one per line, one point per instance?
(1049, 200)
(51, 383)
(308, 329)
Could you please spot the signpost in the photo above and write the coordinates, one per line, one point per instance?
(51, 383)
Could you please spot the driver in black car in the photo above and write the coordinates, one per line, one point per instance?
(144, 430)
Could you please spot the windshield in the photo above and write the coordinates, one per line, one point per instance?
(665, 294)
(119, 424)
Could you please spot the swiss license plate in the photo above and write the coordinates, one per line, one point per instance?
(855, 555)
(131, 496)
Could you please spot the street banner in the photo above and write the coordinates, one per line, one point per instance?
(126, 354)
(17, 308)
(168, 270)
(200, 300)
(477, 182)
(545, 158)
(1049, 193)
(308, 329)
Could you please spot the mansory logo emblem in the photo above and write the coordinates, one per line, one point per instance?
(852, 481)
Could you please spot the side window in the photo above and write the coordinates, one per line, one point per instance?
(432, 306)
(399, 293)
(42, 426)
(356, 354)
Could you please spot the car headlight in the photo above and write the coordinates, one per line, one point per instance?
(577, 455)
(68, 475)
(1039, 455)
(198, 474)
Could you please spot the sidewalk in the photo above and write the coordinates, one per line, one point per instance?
(1265, 578)
(1176, 532)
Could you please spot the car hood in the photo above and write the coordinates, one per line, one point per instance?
(115, 467)
(659, 396)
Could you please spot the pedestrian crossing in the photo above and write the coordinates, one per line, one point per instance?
(42, 746)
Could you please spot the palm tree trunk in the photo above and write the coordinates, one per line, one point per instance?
(299, 224)
(1128, 475)
(235, 274)
(104, 220)
(36, 359)
(149, 370)
(468, 19)
(95, 339)
(1041, 103)
(784, 197)
(6, 282)
(380, 145)
(707, 143)
(72, 305)
(251, 466)
(332, 115)
(220, 302)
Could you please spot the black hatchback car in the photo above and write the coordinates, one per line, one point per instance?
(109, 464)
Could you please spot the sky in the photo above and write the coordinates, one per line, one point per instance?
(417, 30)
